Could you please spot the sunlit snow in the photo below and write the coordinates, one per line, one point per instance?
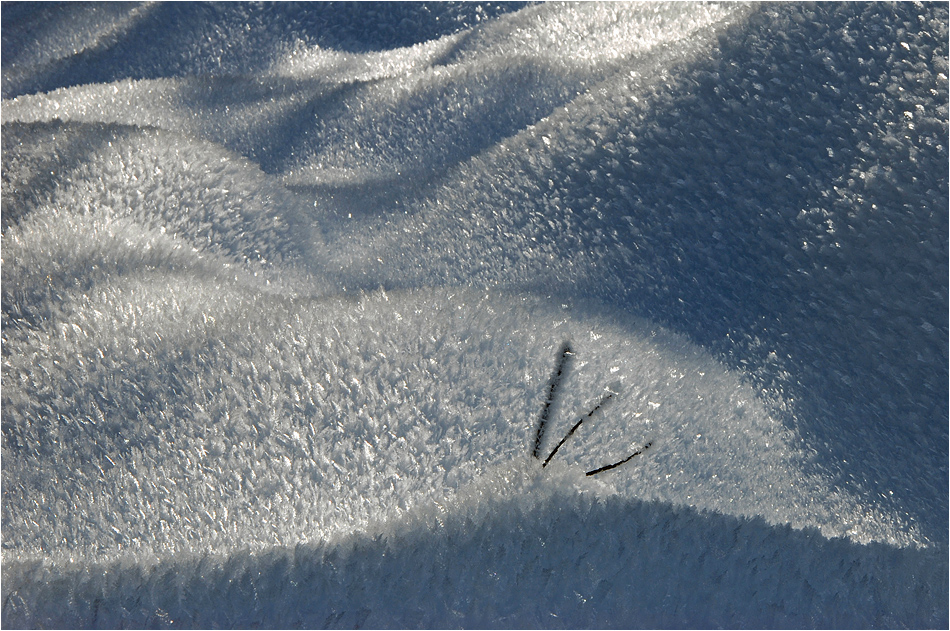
(284, 287)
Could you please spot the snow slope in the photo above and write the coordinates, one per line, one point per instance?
(283, 288)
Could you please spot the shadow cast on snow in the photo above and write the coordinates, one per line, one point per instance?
(569, 561)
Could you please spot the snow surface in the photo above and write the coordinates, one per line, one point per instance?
(283, 288)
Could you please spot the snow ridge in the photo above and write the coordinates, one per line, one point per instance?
(282, 285)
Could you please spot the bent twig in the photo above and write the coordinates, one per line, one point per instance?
(617, 464)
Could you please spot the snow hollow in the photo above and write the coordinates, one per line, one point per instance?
(285, 289)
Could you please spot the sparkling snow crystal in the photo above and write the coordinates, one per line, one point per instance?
(287, 291)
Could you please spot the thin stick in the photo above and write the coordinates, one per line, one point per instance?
(552, 388)
(576, 425)
(617, 464)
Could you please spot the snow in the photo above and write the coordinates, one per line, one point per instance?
(284, 286)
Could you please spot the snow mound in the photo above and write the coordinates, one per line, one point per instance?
(284, 291)
(541, 548)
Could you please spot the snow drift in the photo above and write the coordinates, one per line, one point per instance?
(283, 287)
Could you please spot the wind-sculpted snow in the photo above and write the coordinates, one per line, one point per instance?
(283, 289)
(540, 550)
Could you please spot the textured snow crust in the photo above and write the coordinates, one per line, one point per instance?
(523, 548)
(283, 289)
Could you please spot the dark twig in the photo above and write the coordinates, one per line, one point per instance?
(552, 389)
(576, 425)
(617, 464)
(556, 378)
